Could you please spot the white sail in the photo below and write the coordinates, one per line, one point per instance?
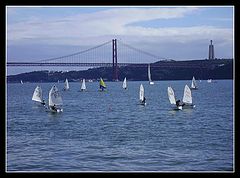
(171, 95)
(187, 96)
(194, 83)
(66, 84)
(54, 97)
(21, 82)
(83, 87)
(124, 83)
(37, 94)
(149, 75)
(141, 92)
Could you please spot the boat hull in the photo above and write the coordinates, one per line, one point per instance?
(143, 104)
(177, 108)
(102, 90)
(59, 110)
(189, 106)
(194, 88)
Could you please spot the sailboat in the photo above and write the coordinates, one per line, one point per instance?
(141, 95)
(66, 85)
(209, 80)
(124, 83)
(149, 75)
(187, 98)
(83, 87)
(37, 95)
(102, 85)
(21, 82)
(55, 100)
(194, 84)
(172, 99)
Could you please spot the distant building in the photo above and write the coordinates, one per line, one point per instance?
(211, 51)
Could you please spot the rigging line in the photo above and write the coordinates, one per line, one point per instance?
(141, 51)
(74, 54)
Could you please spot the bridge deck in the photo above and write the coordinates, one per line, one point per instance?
(160, 64)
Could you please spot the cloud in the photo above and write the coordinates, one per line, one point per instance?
(104, 23)
(91, 29)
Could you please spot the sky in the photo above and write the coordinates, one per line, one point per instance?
(172, 32)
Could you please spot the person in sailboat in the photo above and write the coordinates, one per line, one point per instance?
(144, 100)
(54, 107)
(101, 88)
(43, 102)
(179, 103)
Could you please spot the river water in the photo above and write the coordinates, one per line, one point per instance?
(110, 131)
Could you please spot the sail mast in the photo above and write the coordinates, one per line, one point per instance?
(54, 97)
(83, 87)
(125, 83)
(37, 94)
(141, 93)
(102, 84)
(187, 96)
(171, 95)
(66, 84)
(149, 73)
(194, 83)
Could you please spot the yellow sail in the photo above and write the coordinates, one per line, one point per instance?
(102, 84)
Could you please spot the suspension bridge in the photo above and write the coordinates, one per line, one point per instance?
(113, 54)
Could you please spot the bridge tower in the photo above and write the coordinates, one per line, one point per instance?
(114, 58)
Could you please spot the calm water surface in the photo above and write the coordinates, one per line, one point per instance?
(109, 131)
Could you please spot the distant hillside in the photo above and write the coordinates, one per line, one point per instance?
(218, 69)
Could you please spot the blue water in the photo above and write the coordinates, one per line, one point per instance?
(109, 131)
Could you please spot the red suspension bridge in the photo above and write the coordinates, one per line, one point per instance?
(115, 55)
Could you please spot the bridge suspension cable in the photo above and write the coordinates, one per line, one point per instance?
(141, 51)
(74, 54)
(100, 55)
